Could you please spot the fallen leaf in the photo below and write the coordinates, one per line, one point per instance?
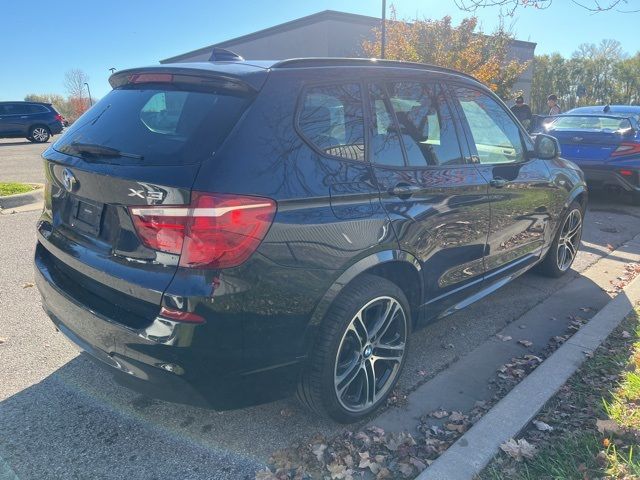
(518, 450)
(543, 427)
(452, 427)
(504, 338)
(405, 469)
(439, 414)
(457, 417)
(265, 474)
(608, 426)
(3, 340)
(525, 343)
(28, 285)
(318, 451)
(422, 373)
(610, 247)
(286, 412)
(383, 474)
(420, 466)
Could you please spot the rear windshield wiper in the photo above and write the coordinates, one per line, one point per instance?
(93, 151)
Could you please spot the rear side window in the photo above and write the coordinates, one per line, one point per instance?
(154, 126)
(15, 109)
(331, 118)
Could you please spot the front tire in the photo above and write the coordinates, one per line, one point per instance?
(565, 245)
(39, 134)
(360, 351)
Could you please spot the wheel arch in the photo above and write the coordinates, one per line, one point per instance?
(397, 266)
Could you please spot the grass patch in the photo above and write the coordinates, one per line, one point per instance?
(12, 188)
(595, 419)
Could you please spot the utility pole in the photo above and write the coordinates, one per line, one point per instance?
(384, 29)
(89, 91)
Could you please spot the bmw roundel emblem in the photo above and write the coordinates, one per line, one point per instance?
(68, 180)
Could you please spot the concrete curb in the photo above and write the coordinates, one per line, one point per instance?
(468, 456)
(22, 199)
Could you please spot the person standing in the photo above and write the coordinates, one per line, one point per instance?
(552, 103)
(522, 111)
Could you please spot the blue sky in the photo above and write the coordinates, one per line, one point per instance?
(92, 35)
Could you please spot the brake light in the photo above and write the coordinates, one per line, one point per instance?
(180, 316)
(59, 118)
(214, 231)
(626, 173)
(626, 149)
(151, 78)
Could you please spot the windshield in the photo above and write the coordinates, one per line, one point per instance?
(589, 123)
(152, 126)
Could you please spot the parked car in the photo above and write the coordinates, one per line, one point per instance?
(227, 233)
(605, 143)
(35, 121)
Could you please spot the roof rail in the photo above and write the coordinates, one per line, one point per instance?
(223, 55)
(355, 62)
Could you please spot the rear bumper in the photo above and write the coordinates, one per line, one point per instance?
(607, 177)
(56, 127)
(163, 360)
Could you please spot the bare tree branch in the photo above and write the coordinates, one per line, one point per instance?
(74, 81)
(510, 6)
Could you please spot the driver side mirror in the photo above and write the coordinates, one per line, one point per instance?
(546, 147)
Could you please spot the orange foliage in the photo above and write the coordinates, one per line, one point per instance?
(462, 47)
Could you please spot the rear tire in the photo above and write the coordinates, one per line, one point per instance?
(565, 245)
(359, 352)
(39, 134)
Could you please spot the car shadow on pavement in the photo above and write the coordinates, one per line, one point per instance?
(78, 420)
(13, 144)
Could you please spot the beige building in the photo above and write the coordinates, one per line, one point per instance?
(324, 34)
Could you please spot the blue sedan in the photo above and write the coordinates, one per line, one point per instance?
(604, 142)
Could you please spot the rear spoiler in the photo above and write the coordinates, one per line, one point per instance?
(193, 77)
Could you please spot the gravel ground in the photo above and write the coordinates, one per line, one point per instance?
(63, 417)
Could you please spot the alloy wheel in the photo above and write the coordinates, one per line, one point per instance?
(569, 240)
(370, 354)
(40, 134)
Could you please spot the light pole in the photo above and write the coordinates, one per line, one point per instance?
(383, 36)
(89, 91)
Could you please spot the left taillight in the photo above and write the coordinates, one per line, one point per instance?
(59, 118)
(214, 231)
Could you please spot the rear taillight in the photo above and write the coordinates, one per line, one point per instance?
(59, 118)
(626, 149)
(214, 231)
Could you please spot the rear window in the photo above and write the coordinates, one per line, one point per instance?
(589, 123)
(154, 126)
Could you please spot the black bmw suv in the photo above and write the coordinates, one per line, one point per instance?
(228, 233)
(35, 121)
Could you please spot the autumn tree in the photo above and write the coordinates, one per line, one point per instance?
(463, 47)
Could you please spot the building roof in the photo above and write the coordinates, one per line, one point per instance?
(293, 24)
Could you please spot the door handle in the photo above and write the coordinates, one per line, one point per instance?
(24, 116)
(404, 190)
(498, 182)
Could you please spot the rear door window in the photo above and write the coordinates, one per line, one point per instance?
(426, 125)
(331, 119)
(155, 126)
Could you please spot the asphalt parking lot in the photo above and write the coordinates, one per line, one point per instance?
(63, 417)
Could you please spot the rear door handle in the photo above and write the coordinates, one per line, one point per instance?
(498, 182)
(404, 190)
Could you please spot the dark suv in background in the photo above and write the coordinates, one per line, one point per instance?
(227, 233)
(35, 121)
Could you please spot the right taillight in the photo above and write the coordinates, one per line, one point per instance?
(59, 118)
(214, 231)
(626, 149)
